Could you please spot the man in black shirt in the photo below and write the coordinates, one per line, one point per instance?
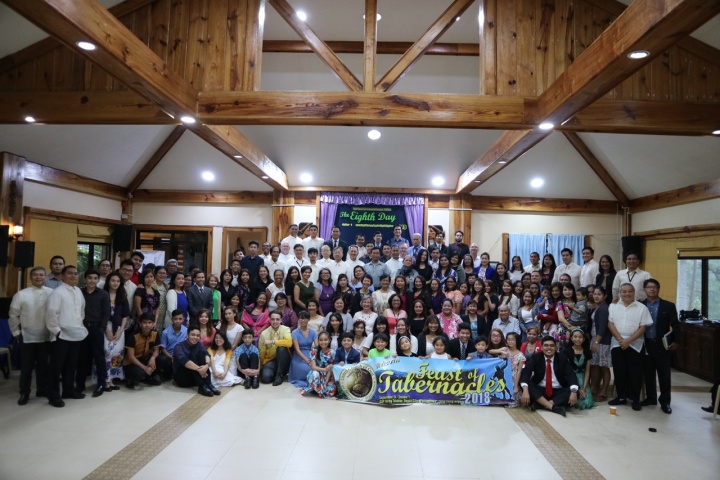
(92, 348)
(252, 261)
(191, 364)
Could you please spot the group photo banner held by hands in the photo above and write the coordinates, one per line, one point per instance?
(404, 380)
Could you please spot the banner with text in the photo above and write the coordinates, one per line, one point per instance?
(414, 380)
(368, 219)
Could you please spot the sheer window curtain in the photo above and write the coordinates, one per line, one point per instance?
(556, 242)
(523, 244)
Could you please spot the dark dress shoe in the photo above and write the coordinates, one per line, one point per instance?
(248, 383)
(56, 402)
(278, 381)
(74, 395)
(710, 409)
(559, 410)
(214, 390)
(255, 382)
(647, 402)
(665, 408)
(205, 391)
(636, 406)
(153, 380)
(130, 384)
(98, 391)
(114, 387)
(617, 401)
(107, 388)
(534, 406)
(24, 397)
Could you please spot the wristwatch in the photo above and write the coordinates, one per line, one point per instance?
(574, 389)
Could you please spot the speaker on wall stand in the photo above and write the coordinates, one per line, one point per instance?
(122, 238)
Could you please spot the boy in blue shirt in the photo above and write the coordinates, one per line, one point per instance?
(248, 359)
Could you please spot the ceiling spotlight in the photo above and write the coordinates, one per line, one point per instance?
(301, 15)
(438, 181)
(86, 46)
(237, 156)
(457, 19)
(502, 162)
(477, 181)
(546, 126)
(378, 17)
(537, 182)
(208, 176)
(264, 177)
(716, 132)
(30, 119)
(638, 54)
(374, 134)
(187, 119)
(306, 178)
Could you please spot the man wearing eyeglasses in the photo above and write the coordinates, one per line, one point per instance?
(64, 318)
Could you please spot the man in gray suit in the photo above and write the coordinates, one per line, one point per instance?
(199, 296)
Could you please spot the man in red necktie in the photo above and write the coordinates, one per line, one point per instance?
(548, 380)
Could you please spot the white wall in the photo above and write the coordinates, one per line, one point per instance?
(700, 213)
(488, 227)
(304, 213)
(439, 216)
(217, 216)
(60, 200)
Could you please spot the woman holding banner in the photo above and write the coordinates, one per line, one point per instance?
(449, 320)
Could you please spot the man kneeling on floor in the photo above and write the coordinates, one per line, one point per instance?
(548, 380)
(142, 354)
(191, 363)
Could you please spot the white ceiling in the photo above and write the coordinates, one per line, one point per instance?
(344, 156)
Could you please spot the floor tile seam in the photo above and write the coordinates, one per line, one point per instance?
(153, 441)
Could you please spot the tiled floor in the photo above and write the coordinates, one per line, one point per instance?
(274, 432)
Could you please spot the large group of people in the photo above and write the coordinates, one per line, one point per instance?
(297, 308)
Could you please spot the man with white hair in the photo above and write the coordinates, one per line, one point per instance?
(353, 259)
(337, 266)
(475, 254)
(416, 246)
(285, 253)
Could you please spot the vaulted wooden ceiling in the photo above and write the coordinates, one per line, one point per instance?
(462, 98)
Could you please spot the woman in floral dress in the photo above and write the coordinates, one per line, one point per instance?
(320, 379)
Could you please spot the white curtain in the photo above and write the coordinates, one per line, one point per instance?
(556, 242)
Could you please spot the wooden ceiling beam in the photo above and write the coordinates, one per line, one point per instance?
(383, 48)
(85, 107)
(359, 108)
(323, 51)
(370, 46)
(652, 25)
(126, 57)
(156, 158)
(558, 205)
(54, 177)
(680, 196)
(422, 191)
(417, 50)
(48, 44)
(200, 196)
(597, 167)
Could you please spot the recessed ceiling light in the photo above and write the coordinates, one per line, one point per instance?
(237, 156)
(478, 181)
(437, 181)
(716, 132)
(208, 176)
(187, 119)
(301, 15)
(306, 178)
(537, 182)
(378, 17)
(457, 19)
(638, 54)
(86, 46)
(546, 126)
(502, 162)
(264, 177)
(30, 119)
(374, 134)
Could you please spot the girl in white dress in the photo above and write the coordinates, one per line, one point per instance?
(220, 360)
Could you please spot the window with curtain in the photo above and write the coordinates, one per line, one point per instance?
(698, 281)
(523, 244)
(559, 241)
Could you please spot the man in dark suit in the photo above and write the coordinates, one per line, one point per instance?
(657, 360)
(458, 247)
(548, 380)
(199, 296)
(462, 346)
(335, 242)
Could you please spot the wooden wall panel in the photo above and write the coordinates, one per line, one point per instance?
(525, 24)
(487, 48)
(507, 49)
(178, 35)
(197, 43)
(215, 60)
(160, 28)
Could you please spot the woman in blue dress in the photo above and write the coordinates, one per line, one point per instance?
(303, 339)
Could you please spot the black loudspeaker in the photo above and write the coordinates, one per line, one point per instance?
(4, 233)
(632, 244)
(24, 254)
(122, 238)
